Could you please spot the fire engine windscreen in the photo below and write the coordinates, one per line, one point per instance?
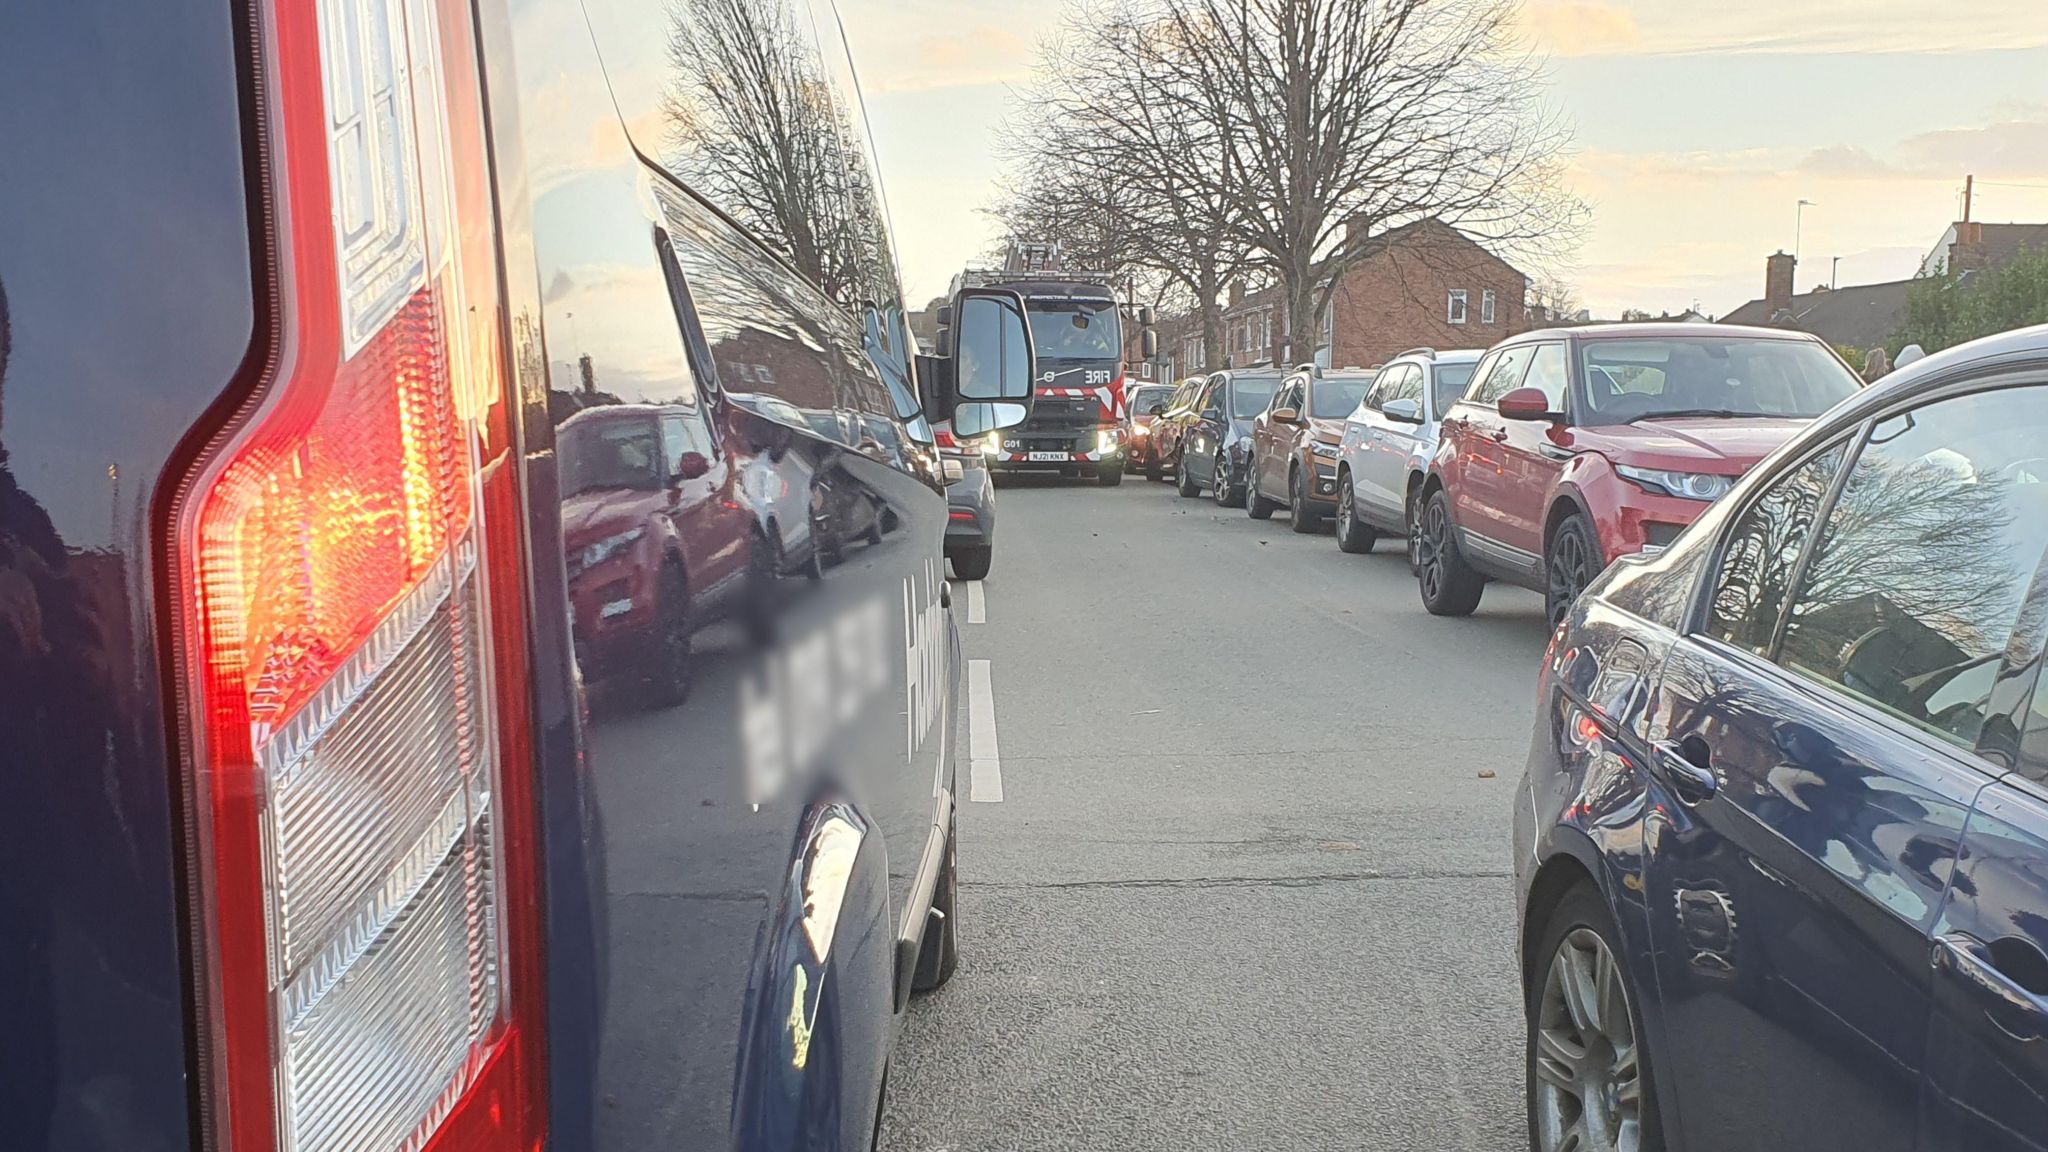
(1075, 330)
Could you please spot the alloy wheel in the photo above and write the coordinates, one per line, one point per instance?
(1344, 522)
(1430, 544)
(1414, 535)
(1570, 572)
(1587, 1066)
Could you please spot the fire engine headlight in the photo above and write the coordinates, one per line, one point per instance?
(992, 445)
(1106, 440)
(610, 546)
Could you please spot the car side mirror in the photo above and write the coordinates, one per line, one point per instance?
(981, 381)
(1286, 416)
(1212, 414)
(1155, 410)
(1403, 411)
(1526, 404)
(692, 465)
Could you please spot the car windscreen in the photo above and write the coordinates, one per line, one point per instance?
(1249, 394)
(1622, 381)
(610, 454)
(1081, 330)
(1141, 400)
(1451, 382)
(1334, 397)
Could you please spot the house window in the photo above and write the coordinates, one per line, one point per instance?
(1486, 306)
(1456, 308)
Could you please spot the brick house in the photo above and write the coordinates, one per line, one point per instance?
(1424, 283)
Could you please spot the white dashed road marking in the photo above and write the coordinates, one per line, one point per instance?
(985, 766)
(977, 608)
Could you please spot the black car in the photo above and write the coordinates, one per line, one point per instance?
(1782, 842)
(368, 477)
(1215, 442)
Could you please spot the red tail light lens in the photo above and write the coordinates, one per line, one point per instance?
(368, 980)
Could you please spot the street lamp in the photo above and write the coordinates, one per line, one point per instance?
(1799, 222)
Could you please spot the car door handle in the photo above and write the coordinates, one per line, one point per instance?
(1678, 765)
(2016, 1010)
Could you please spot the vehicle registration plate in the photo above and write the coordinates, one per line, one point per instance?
(1047, 456)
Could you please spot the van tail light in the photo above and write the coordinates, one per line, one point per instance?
(347, 575)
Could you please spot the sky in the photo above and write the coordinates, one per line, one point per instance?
(1698, 127)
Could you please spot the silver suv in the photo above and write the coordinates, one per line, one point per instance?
(1388, 441)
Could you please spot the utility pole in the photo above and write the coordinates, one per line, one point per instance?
(1969, 190)
(1834, 272)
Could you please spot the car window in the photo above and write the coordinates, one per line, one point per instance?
(1451, 382)
(1334, 397)
(1547, 373)
(1761, 552)
(1914, 589)
(1248, 394)
(1503, 374)
(1411, 385)
(1710, 375)
(1387, 386)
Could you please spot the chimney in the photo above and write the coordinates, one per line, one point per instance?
(1778, 283)
(1967, 253)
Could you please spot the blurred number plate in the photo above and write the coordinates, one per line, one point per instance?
(1047, 456)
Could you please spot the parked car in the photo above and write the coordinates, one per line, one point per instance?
(1216, 433)
(1294, 446)
(1166, 429)
(1388, 442)
(1142, 404)
(970, 508)
(1781, 847)
(325, 533)
(1578, 445)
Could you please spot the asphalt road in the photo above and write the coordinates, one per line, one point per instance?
(1247, 887)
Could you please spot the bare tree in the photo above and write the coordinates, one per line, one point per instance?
(1551, 297)
(1300, 129)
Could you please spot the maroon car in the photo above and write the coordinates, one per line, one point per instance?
(658, 538)
(1574, 446)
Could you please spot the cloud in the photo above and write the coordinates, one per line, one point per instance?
(980, 54)
(1581, 27)
(1846, 162)
(2012, 148)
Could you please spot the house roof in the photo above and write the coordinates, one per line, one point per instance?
(1414, 230)
(2003, 242)
(1862, 316)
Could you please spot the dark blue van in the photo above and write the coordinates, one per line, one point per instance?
(436, 712)
(1782, 844)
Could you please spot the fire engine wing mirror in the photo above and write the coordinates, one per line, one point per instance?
(991, 363)
(1145, 316)
(1148, 343)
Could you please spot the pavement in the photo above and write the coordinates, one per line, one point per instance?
(1247, 885)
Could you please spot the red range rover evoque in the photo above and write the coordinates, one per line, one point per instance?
(1575, 446)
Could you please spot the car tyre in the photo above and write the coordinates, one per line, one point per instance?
(1569, 563)
(1300, 516)
(1587, 1071)
(972, 563)
(674, 665)
(940, 954)
(1411, 520)
(1352, 535)
(1227, 495)
(1450, 587)
(1184, 480)
(1256, 505)
(1110, 475)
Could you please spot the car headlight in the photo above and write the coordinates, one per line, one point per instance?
(610, 546)
(1140, 430)
(1689, 485)
(1322, 449)
(1106, 440)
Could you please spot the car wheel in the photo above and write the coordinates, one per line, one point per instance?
(668, 680)
(1573, 562)
(1352, 536)
(972, 563)
(1227, 494)
(1184, 480)
(1109, 475)
(1300, 517)
(1411, 519)
(940, 954)
(1586, 1069)
(1256, 505)
(1449, 586)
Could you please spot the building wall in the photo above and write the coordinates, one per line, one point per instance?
(1399, 299)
